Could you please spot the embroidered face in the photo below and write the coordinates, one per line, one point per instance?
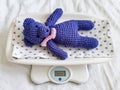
(34, 31)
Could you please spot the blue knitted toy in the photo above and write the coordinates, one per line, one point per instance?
(65, 33)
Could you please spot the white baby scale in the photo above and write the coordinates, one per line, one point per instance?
(46, 67)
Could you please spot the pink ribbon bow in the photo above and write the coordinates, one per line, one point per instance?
(51, 36)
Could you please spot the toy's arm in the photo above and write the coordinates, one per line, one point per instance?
(56, 50)
(52, 19)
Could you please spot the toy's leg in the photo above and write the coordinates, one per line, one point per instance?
(85, 24)
(87, 42)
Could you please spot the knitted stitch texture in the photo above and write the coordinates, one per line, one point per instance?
(66, 33)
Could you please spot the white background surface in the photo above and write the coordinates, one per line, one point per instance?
(102, 76)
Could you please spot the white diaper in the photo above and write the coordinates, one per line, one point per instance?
(101, 31)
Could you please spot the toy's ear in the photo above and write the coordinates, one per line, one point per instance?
(27, 22)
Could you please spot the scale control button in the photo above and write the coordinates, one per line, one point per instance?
(60, 79)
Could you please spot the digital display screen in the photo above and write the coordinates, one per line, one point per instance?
(60, 73)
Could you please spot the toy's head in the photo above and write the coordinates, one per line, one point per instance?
(35, 32)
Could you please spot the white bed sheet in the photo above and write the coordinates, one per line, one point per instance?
(104, 76)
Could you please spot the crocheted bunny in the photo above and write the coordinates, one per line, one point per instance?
(65, 33)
